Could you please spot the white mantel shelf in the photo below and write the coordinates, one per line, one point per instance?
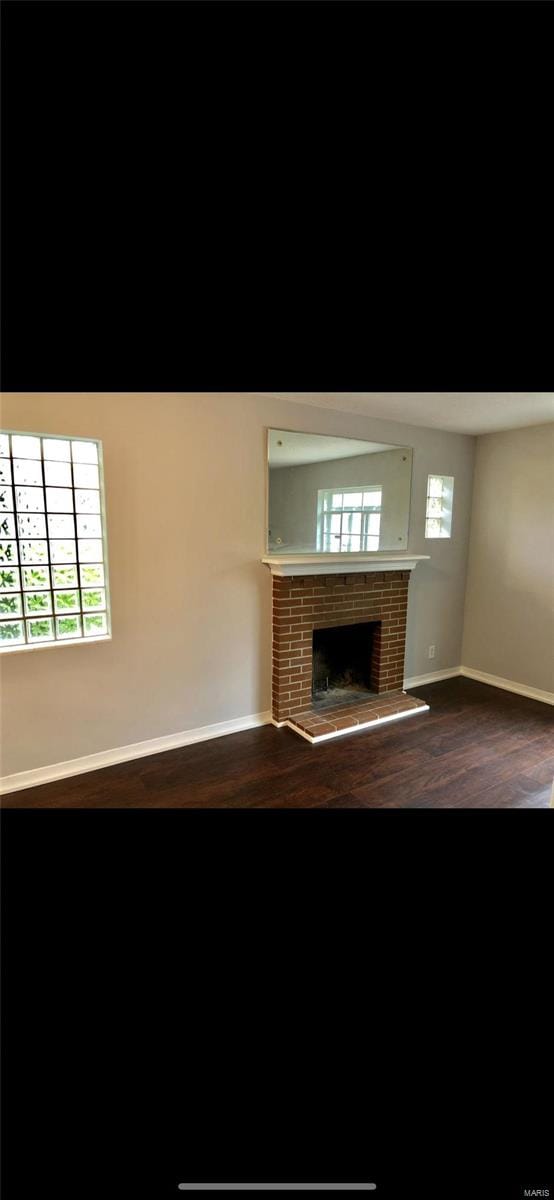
(341, 564)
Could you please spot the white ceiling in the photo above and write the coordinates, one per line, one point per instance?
(288, 449)
(459, 412)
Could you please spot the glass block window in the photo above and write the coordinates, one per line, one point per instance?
(438, 513)
(349, 519)
(53, 554)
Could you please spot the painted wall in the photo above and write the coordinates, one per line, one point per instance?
(191, 602)
(509, 612)
(293, 496)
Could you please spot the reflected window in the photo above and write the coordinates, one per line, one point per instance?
(349, 520)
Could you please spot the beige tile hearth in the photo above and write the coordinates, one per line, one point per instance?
(346, 718)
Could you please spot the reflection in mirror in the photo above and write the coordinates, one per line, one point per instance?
(336, 495)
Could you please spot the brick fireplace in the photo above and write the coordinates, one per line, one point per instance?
(304, 603)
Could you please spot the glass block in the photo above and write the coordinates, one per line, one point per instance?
(41, 630)
(31, 525)
(59, 500)
(66, 601)
(93, 598)
(9, 579)
(34, 552)
(25, 447)
(29, 499)
(353, 500)
(90, 551)
(85, 476)
(92, 573)
(84, 452)
(89, 527)
(68, 627)
(35, 578)
(64, 577)
(37, 603)
(95, 624)
(6, 499)
(7, 525)
(56, 448)
(50, 583)
(87, 502)
(8, 554)
(12, 633)
(57, 474)
(10, 606)
(63, 551)
(61, 526)
(27, 472)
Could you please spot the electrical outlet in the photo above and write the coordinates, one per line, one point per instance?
(431, 651)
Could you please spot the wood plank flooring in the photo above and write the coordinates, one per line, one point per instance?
(477, 747)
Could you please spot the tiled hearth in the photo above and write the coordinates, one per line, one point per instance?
(307, 599)
(320, 725)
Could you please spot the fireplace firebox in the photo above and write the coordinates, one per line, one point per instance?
(342, 663)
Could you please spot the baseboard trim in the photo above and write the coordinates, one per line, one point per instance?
(108, 758)
(508, 685)
(432, 677)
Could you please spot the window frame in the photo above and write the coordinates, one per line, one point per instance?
(371, 510)
(56, 640)
(447, 502)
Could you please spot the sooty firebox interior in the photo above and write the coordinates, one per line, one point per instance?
(341, 663)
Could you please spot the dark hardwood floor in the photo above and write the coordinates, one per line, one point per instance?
(477, 747)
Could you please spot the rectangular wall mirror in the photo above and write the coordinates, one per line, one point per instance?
(336, 495)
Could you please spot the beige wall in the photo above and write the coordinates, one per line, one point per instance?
(185, 495)
(509, 612)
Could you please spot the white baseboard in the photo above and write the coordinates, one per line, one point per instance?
(432, 677)
(107, 758)
(508, 685)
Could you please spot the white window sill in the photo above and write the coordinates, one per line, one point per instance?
(83, 641)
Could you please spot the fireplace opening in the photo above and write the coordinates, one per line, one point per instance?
(342, 664)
